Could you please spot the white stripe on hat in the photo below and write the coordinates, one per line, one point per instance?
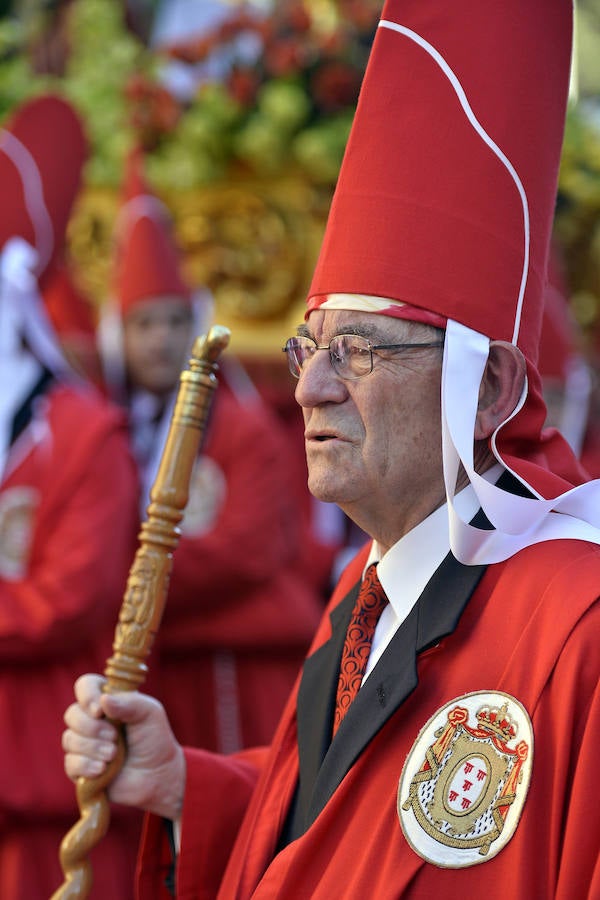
(478, 127)
(359, 302)
(33, 194)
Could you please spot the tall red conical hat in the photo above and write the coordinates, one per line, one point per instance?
(42, 152)
(443, 213)
(147, 262)
(445, 198)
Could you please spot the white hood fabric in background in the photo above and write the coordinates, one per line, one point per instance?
(39, 177)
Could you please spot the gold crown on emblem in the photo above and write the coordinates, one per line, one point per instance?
(490, 718)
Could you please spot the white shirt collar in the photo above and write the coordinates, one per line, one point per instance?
(409, 564)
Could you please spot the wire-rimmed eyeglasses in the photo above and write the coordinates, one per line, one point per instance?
(351, 355)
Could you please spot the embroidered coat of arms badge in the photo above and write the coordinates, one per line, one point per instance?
(464, 783)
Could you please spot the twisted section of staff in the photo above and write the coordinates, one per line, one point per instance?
(145, 594)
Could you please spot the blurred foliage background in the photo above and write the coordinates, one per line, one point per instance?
(244, 117)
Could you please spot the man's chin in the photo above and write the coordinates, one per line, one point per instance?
(326, 490)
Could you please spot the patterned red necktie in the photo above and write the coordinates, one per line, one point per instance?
(367, 609)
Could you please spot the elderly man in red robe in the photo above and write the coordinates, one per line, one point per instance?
(444, 732)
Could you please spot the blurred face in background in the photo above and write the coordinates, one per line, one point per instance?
(157, 338)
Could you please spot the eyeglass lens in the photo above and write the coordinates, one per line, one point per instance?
(350, 354)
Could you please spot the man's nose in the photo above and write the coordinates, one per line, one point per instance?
(319, 383)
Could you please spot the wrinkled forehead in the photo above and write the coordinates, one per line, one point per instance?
(323, 325)
(374, 312)
(370, 303)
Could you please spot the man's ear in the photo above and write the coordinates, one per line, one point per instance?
(501, 387)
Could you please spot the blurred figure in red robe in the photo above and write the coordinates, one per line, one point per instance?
(68, 517)
(240, 614)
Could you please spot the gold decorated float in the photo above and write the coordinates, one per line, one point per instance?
(252, 242)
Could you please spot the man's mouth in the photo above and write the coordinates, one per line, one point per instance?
(320, 436)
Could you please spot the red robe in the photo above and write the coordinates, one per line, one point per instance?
(68, 522)
(240, 614)
(531, 628)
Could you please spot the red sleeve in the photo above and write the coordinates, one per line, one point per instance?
(218, 790)
(575, 691)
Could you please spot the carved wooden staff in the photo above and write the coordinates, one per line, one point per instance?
(145, 594)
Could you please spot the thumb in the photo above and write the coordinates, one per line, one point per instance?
(125, 706)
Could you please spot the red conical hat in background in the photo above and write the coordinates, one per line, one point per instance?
(147, 261)
(42, 152)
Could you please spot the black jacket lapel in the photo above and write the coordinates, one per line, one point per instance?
(316, 698)
(433, 617)
(24, 414)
